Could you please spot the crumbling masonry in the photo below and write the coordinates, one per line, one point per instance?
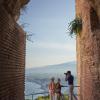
(88, 49)
(12, 51)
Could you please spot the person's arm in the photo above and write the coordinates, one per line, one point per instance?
(49, 86)
(66, 78)
(62, 85)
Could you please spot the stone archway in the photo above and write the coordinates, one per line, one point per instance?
(12, 53)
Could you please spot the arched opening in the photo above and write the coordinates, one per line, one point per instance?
(53, 51)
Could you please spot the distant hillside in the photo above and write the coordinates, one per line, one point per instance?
(57, 69)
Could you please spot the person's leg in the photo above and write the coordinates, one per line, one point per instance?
(62, 97)
(54, 98)
(59, 97)
(71, 92)
(51, 97)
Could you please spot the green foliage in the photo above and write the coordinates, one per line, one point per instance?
(24, 3)
(47, 97)
(27, 99)
(75, 26)
(43, 98)
(29, 36)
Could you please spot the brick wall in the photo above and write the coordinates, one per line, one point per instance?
(88, 50)
(12, 58)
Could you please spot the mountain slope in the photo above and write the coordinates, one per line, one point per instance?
(57, 69)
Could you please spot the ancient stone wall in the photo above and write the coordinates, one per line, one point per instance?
(12, 57)
(88, 50)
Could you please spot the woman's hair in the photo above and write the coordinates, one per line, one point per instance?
(59, 79)
(52, 79)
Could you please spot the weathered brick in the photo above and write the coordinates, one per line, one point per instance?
(12, 58)
(88, 50)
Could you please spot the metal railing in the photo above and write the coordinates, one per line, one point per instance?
(46, 93)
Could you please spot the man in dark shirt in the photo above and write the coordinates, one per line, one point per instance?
(70, 80)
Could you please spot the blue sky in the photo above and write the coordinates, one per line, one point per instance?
(48, 20)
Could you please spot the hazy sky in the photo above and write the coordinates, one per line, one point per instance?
(48, 20)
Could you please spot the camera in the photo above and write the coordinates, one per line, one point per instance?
(65, 73)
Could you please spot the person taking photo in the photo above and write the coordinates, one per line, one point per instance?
(70, 78)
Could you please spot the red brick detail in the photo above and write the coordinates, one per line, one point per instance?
(12, 58)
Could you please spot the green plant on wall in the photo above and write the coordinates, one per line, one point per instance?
(75, 26)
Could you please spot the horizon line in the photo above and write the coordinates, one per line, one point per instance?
(50, 65)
